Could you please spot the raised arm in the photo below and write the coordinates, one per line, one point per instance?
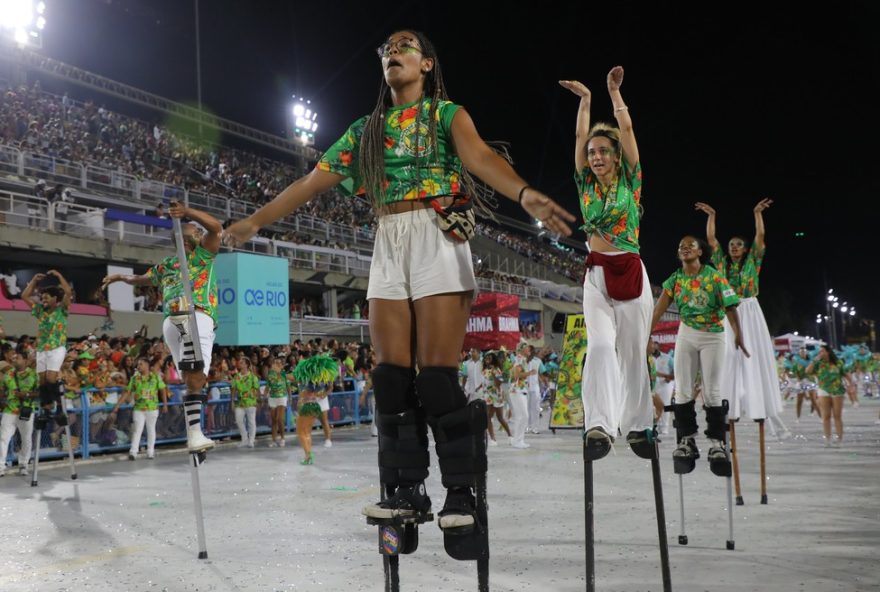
(582, 128)
(211, 241)
(484, 162)
(710, 223)
(621, 114)
(68, 292)
(29, 289)
(759, 222)
(294, 195)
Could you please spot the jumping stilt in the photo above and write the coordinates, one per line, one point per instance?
(730, 543)
(682, 537)
(661, 518)
(588, 520)
(70, 453)
(39, 424)
(397, 535)
(763, 461)
(197, 459)
(191, 360)
(739, 498)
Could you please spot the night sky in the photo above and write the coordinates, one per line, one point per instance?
(757, 102)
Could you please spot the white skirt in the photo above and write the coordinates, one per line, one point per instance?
(751, 385)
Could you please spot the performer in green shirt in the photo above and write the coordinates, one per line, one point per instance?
(144, 389)
(201, 248)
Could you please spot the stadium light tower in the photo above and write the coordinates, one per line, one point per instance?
(23, 21)
(305, 120)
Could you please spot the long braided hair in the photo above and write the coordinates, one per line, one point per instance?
(371, 155)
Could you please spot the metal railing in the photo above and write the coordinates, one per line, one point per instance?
(94, 431)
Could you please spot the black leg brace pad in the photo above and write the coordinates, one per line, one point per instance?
(48, 394)
(685, 421)
(716, 422)
(403, 448)
(394, 388)
(459, 428)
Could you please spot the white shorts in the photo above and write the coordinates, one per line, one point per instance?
(206, 339)
(413, 258)
(277, 402)
(50, 361)
(324, 403)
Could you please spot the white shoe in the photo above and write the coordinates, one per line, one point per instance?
(282, 443)
(252, 444)
(328, 443)
(492, 442)
(197, 442)
(243, 444)
(23, 469)
(520, 445)
(2, 471)
(272, 444)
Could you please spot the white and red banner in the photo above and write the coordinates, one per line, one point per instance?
(664, 334)
(494, 322)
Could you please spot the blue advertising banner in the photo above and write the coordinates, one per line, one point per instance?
(254, 306)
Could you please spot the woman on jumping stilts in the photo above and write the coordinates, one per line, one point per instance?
(703, 298)
(617, 294)
(751, 383)
(413, 157)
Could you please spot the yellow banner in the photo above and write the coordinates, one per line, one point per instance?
(568, 408)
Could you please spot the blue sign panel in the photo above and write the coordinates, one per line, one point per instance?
(254, 307)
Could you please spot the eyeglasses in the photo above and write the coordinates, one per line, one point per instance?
(601, 151)
(403, 45)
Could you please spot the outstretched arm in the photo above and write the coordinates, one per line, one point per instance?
(621, 114)
(582, 129)
(759, 222)
(710, 223)
(737, 331)
(131, 280)
(662, 305)
(295, 195)
(484, 162)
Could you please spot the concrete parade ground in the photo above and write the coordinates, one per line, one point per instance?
(274, 525)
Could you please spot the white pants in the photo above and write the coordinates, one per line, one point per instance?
(138, 420)
(206, 339)
(752, 384)
(534, 409)
(698, 351)
(519, 405)
(246, 436)
(616, 388)
(8, 424)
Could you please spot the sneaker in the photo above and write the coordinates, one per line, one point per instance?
(406, 502)
(282, 443)
(520, 445)
(132, 456)
(328, 443)
(243, 444)
(23, 469)
(151, 456)
(272, 444)
(197, 442)
(687, 448)
(493, 442)
(598, 434)
(459, 509)
(251, 444)
(2, 471)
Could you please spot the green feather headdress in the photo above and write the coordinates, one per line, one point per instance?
(316, 372)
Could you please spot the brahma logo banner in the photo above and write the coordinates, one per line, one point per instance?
(254, 304)
(494, 322)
